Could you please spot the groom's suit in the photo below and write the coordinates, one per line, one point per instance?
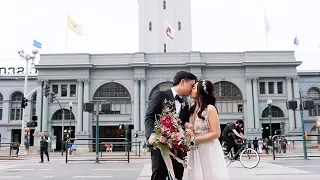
(159, 169)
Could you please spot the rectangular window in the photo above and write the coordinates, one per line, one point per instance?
(164, 4)
(64, 90)
(165, 48)
(179, 26)
(262, 87)
(280, 87)
(271, 87)
(0, 114)
(73, 90)
(150, 26)
(55, 89)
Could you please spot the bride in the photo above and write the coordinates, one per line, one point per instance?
(206, 160)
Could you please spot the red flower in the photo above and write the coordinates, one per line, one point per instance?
(166, 121)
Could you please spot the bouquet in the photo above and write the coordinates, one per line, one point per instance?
(169, 137)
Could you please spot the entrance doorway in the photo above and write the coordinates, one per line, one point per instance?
(111, 132)
(57, 131)
(16, 135)
(266, 131)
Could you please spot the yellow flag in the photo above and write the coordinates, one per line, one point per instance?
(74, 26)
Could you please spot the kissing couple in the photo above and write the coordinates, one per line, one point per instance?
(200, 121)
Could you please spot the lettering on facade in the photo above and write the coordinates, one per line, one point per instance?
(15, 70)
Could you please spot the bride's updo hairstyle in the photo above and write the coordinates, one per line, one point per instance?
(205, 96)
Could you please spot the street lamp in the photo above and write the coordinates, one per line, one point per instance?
(269, 102)
(70, 106)
(27, 58)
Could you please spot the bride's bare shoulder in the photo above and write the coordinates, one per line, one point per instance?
(211, 108)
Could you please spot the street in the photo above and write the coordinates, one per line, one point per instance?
(140, 169)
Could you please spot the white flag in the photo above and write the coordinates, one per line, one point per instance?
(267, 24)
(170, 31)
(74, 26)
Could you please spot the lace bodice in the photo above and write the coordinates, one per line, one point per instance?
(201, 126)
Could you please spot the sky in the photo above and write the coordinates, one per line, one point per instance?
(111, 26)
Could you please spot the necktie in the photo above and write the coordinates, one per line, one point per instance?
(178, 98)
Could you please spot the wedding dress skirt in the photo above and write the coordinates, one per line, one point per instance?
(206, 162)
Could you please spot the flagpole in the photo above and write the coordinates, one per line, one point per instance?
(165, 30)
(266, 24)
(66, 50)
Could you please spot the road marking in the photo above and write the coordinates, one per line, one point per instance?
(312, 166)
(132, 169)
(74, 177)
(10, 177)
(12, 169)
(44, 177)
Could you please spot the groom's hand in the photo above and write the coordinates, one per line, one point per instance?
(189, 126)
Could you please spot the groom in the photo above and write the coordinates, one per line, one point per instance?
(182, 86)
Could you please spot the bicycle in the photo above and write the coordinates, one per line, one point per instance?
(248, 153)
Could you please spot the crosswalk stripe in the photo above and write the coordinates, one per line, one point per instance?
(11, 177)
(74, 177)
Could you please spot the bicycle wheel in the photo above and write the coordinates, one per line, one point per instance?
(249, 158)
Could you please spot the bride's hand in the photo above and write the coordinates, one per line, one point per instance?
(190, 132)
(189, 126)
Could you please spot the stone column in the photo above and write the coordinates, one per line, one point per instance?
(296, 94)
(38, 105)
(80, 102)
(86, 99)
(256, 104)
(249, 104)
(45, 113)
(142, 103)
(289, 97)
(136, 113)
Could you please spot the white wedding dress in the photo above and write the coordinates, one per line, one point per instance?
(206, 162)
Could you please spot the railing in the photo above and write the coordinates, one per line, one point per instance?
(11, 146)
(295, 154)
(106, 157)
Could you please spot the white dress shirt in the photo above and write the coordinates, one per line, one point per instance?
(177, 103)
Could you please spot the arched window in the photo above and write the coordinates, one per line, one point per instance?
(161, 87)
(115, 94)
(314, 93)
(33, 104)
(15, 106)
(275, 112)
(228, 97)
(58, 115)
(1, 106)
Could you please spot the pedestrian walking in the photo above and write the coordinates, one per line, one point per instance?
(44, 142)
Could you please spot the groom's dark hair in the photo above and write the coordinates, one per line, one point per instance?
(183, 75)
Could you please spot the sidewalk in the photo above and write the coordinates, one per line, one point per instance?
(263, 171)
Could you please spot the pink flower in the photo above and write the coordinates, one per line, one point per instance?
(164, 129)
(163, 140)
(178, 136)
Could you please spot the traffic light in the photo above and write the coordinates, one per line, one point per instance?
(46, 90)
(33, 122)
(24, 102)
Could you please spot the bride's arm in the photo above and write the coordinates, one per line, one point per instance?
(214, 124)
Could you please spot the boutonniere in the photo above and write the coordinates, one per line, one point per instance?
(183, 104)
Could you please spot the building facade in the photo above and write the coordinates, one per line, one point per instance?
(309, 84)
(243, 82)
